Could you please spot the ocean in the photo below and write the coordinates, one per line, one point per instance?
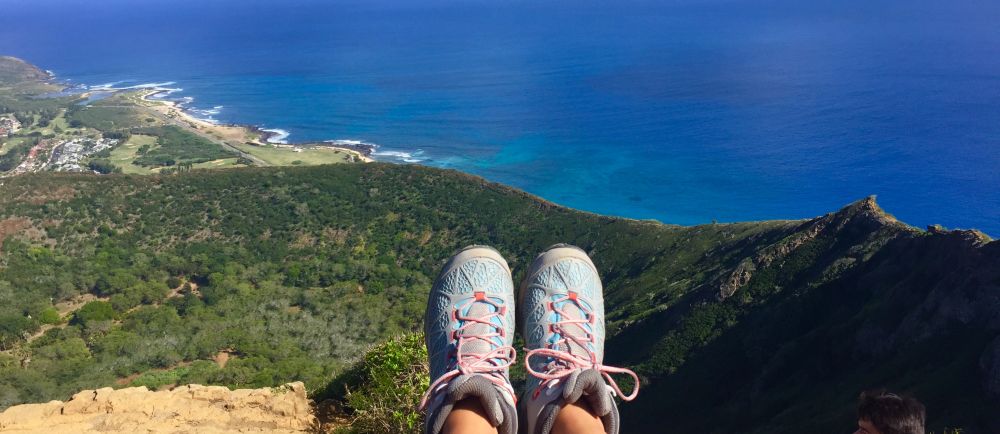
(686, 112)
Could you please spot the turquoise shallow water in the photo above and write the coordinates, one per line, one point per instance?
(682, 111)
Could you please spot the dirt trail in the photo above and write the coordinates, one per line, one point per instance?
(72, 305)
(65, 308)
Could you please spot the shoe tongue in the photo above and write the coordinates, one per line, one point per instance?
(572, 311)
(478, 309)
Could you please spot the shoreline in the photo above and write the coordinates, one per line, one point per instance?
(250, 135)
(245, 134)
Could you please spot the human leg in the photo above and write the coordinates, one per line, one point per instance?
(577, 418)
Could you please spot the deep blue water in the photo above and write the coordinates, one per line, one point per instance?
(682, 111)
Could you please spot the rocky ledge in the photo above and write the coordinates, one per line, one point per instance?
(184, 409)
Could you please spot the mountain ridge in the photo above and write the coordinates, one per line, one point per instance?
(298, 268)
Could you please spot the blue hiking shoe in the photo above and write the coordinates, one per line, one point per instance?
(469, 329)
(562, 305)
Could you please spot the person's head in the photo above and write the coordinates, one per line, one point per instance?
(881, 412)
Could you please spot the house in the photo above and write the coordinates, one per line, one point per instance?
(8, 126)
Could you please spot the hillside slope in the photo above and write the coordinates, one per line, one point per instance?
(852, 301)
(16, 71)
(257, 277)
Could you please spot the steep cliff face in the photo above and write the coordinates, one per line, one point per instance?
(185, 409)
(845, 302)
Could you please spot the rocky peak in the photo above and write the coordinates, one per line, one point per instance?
(975, 237)
(865, 213)
(864, 217)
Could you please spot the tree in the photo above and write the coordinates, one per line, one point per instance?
(103, 166)
(94, 311)
(13, 328)
(49, 315)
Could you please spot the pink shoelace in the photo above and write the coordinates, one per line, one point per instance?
(565, 363)
(490, 365)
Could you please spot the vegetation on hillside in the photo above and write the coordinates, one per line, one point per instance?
(175, 146)
(378, 394)
(252, 278)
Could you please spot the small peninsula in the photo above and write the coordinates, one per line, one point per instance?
(46, 125)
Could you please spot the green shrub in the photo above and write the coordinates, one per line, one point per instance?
(173, 282)
(94, 311)
(103, 166)
(49, 315)
(380, 393)
(154, 379)
(13, 328)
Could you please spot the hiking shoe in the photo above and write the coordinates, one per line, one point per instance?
(469, 329)
(562, 308)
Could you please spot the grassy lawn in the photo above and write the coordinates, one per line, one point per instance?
(123, 155)
(215, 164)
(10, 143)
(288, 157)
(60, 121)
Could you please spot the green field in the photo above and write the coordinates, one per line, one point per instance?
(123, 155)
(217, 164)
(288, 157)
(60, 122)
(8, 144)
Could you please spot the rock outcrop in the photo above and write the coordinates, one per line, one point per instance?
(863, 216)
(185, 409)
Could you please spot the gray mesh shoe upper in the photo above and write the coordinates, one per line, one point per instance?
(469, 329)
(562, 310)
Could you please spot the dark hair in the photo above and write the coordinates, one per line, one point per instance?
(891, 413)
